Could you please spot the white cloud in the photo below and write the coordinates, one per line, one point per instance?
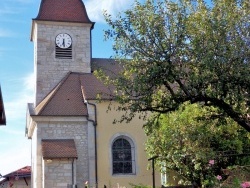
(13, 7)
(24, 1)
(15, 148)
(95, 8)
(9, 9)
(6, 33)
(15, 107)
(9, 130)
(2, 50)
(29, 82)
(15, 155)
(21, 1)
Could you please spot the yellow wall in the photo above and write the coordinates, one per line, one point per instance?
(106, 130)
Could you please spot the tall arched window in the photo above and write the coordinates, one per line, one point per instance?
(123, 156)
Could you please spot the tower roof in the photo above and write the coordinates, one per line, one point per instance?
(63, 10)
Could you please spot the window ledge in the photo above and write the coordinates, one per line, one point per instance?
(124, 175)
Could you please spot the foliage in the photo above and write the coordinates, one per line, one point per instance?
(195, 147)
(237, 175)
(174, 51)
(139, 186)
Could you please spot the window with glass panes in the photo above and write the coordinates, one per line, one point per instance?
(122, 157)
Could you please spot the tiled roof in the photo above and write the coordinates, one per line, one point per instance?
(63, 10)
(22, 172)
(92, 88)
(109, 66)
(58, 148)
(67, 98)
(2, 111)
(64, 100)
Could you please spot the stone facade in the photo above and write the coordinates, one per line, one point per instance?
(58, 172)
(49, 70)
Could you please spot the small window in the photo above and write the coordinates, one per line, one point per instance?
(64, 53)
(123, 157)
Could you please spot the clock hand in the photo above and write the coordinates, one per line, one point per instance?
(63, 43)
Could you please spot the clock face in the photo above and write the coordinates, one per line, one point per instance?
(63, 40)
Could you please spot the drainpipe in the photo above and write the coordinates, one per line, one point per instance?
(73, 174)
(94, 124)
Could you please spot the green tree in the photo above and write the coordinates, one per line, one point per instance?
(195, 146)
(181, 50)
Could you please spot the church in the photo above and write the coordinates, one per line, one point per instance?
(74, 142)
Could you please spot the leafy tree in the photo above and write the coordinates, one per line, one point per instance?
(195, 146)
(174, 51)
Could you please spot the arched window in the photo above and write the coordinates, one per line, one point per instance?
(123, 159)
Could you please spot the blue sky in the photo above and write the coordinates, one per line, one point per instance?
(16, 69)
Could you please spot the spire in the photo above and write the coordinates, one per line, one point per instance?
(63, 11)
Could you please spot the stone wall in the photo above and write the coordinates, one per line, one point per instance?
(66, 128)
(58, 173)
(50, 70)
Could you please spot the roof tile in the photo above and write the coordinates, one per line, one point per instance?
(67, 98)
(92, 87)
(63, 10)
(64, 100)
(58, 148)
(22, 172)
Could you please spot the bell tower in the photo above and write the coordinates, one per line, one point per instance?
(62, 43)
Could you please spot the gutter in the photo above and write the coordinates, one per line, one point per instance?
(94, 124)
(72, 168)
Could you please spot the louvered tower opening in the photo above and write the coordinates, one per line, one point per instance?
(64, 53)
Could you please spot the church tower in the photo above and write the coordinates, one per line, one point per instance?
(58, 120)
(62, 42)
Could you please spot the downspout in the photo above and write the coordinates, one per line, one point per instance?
(73, 182)
(94, 124)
